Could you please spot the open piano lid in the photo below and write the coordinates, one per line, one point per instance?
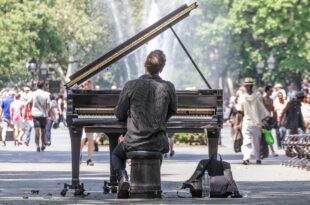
(130, 45)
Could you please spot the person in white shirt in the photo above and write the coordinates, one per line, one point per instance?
(305, 110)
(251, 113)
(40, 107)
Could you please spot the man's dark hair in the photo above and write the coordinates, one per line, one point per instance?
(40, 84)
(17, 96)
(267, 88)
(155, 62)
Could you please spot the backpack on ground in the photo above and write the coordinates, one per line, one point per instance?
(222, 183)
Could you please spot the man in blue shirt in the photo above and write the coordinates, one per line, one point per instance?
(5, 114)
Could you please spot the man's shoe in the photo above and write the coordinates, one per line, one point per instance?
(123, 188)
(171, 153)
(42, 148)
(3, 144)
(38, 149)
(26, 143)
(275, 155)
(89, 162)
(258, 162)
(246, 162)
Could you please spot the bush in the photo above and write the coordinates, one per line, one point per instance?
(189, 138)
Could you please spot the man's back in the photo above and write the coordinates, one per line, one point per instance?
(253, 109)
(150, 102)
(40, 101)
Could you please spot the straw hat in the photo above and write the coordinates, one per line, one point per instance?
(248, 81)
(278, 85)
(11, 93)
(26, 88)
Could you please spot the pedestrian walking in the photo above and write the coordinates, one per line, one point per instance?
(40, 101)
(292, 117)
(5, 114)
(305, 110)
(251, 113)
(89, 136)
(17, 120)
(279, 105)
(52, 120)
(171, 143)
(26, 97)
(236, 128)
(61, 108)
(272, 121)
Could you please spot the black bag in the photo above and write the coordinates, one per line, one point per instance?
(272, 122)
(238, 141)
(222, 184)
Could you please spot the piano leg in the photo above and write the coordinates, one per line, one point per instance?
(213, 137)
(75, 135)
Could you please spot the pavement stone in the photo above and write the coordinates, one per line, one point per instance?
(23, 170)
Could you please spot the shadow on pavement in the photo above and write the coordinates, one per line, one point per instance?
(59, 157)
(15, 186)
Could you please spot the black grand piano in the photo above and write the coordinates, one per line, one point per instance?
(198, 111)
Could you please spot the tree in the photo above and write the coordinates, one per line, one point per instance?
(26, 32)
(281, 27)
(58, 32)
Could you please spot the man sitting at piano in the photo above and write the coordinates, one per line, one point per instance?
(145, 104)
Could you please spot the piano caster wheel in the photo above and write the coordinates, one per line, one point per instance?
(79, 190)
(114, 189)
(105, 187)
(65, 190)
(106, 190)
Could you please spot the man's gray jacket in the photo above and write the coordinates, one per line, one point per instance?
(146, 103)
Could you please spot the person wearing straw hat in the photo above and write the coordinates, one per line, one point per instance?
(252, 114)
(276, 89)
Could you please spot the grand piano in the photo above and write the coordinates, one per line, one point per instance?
(198, 111)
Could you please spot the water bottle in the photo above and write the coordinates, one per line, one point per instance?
(205, 184)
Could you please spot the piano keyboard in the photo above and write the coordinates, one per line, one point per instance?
(112, 117)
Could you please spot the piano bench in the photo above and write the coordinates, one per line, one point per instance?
(145, 174)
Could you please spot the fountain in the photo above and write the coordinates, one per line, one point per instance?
(126, 25)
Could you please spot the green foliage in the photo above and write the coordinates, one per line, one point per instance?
(225, 37)
(26, 31)
(280, 27)
(44, 30)
(189, 138)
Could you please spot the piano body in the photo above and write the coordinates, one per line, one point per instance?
(198, 111)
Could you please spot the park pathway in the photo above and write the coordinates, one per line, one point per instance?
(23, 171)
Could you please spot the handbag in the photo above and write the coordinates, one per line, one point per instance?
(238, 141)
(268, 136)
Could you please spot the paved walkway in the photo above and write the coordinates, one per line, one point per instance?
(23, 170)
